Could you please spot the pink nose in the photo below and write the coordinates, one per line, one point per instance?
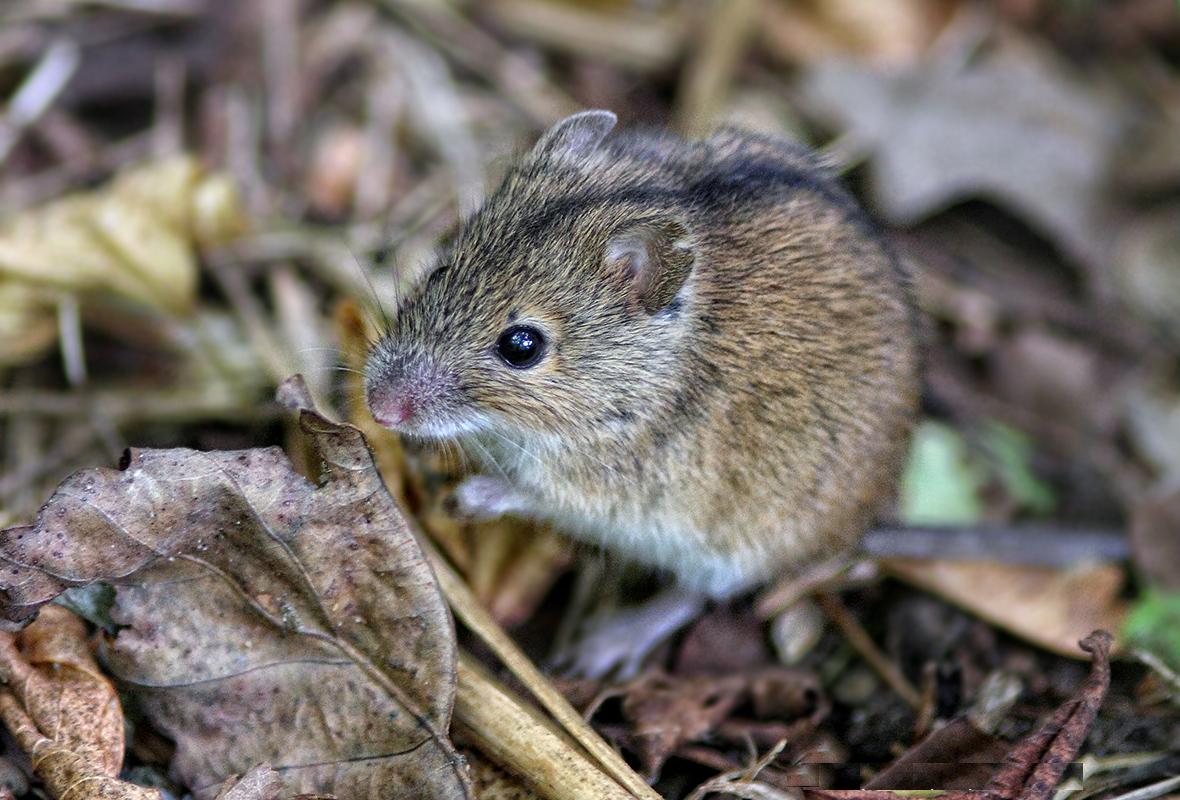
(390, 409)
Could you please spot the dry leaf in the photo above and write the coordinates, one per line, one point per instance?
(134, 238)
(956, 756)
(667, 712)
(62, 710)
(267, 618)
(1049, 607)
(260, 783)
(1012, 125)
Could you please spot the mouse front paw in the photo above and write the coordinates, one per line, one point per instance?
(481, 497)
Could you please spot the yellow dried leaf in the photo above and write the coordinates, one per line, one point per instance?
(61, 709)
(134, 238)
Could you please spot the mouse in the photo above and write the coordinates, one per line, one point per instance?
(698, 354)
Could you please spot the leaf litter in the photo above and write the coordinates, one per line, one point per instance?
(264, 617)
(1036, 206)
(62, 709)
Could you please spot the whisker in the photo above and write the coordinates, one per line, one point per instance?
(464, 459)
(377, 304)
(335, 368)
(614, 470)
(519, 447)
(488, 456)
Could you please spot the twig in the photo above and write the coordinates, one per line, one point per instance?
(280, 60)
(67, 446)
(69, 328)
(437, 108)
(138, 405)
(18, 193)
(252, 317)
(823, 576)
(1035, 545)
(863, 644)
(468, 609)
(742, 783)
(523, 82)
(515, 735)
(38, 92)
(1165, 672)
(644, 42)
(1151, 791)
(385, 98)
(168, 124)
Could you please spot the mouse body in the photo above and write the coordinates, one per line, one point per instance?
(697, 354)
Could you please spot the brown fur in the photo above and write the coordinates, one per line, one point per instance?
(740, 409)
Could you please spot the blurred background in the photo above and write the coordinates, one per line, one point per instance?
(200, 197)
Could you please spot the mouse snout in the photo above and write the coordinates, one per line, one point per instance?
(391, 409)
(407, 396)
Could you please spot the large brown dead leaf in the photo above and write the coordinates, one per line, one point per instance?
(268, 619)
(1012, 124)
(62, 710)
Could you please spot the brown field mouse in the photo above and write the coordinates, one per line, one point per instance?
(698, 354)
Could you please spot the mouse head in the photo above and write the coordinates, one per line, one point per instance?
(561, 309)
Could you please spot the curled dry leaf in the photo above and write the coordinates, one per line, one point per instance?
(667, 712)
(267, 618)
(62, 710)
(1034, 767)
(134, 238)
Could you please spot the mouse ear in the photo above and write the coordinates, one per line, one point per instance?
(576, 135)
(655, 257)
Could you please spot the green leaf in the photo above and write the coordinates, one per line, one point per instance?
(940, 485)
(1154, 625)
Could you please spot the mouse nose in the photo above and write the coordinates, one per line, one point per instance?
(389, 407)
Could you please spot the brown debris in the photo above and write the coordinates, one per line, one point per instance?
(1033, 768)
(62, 710)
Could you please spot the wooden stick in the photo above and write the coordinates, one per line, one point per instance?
(864, 644)
(517, 736)
(471, 613)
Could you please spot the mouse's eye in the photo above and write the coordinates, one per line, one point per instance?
(521, 346)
